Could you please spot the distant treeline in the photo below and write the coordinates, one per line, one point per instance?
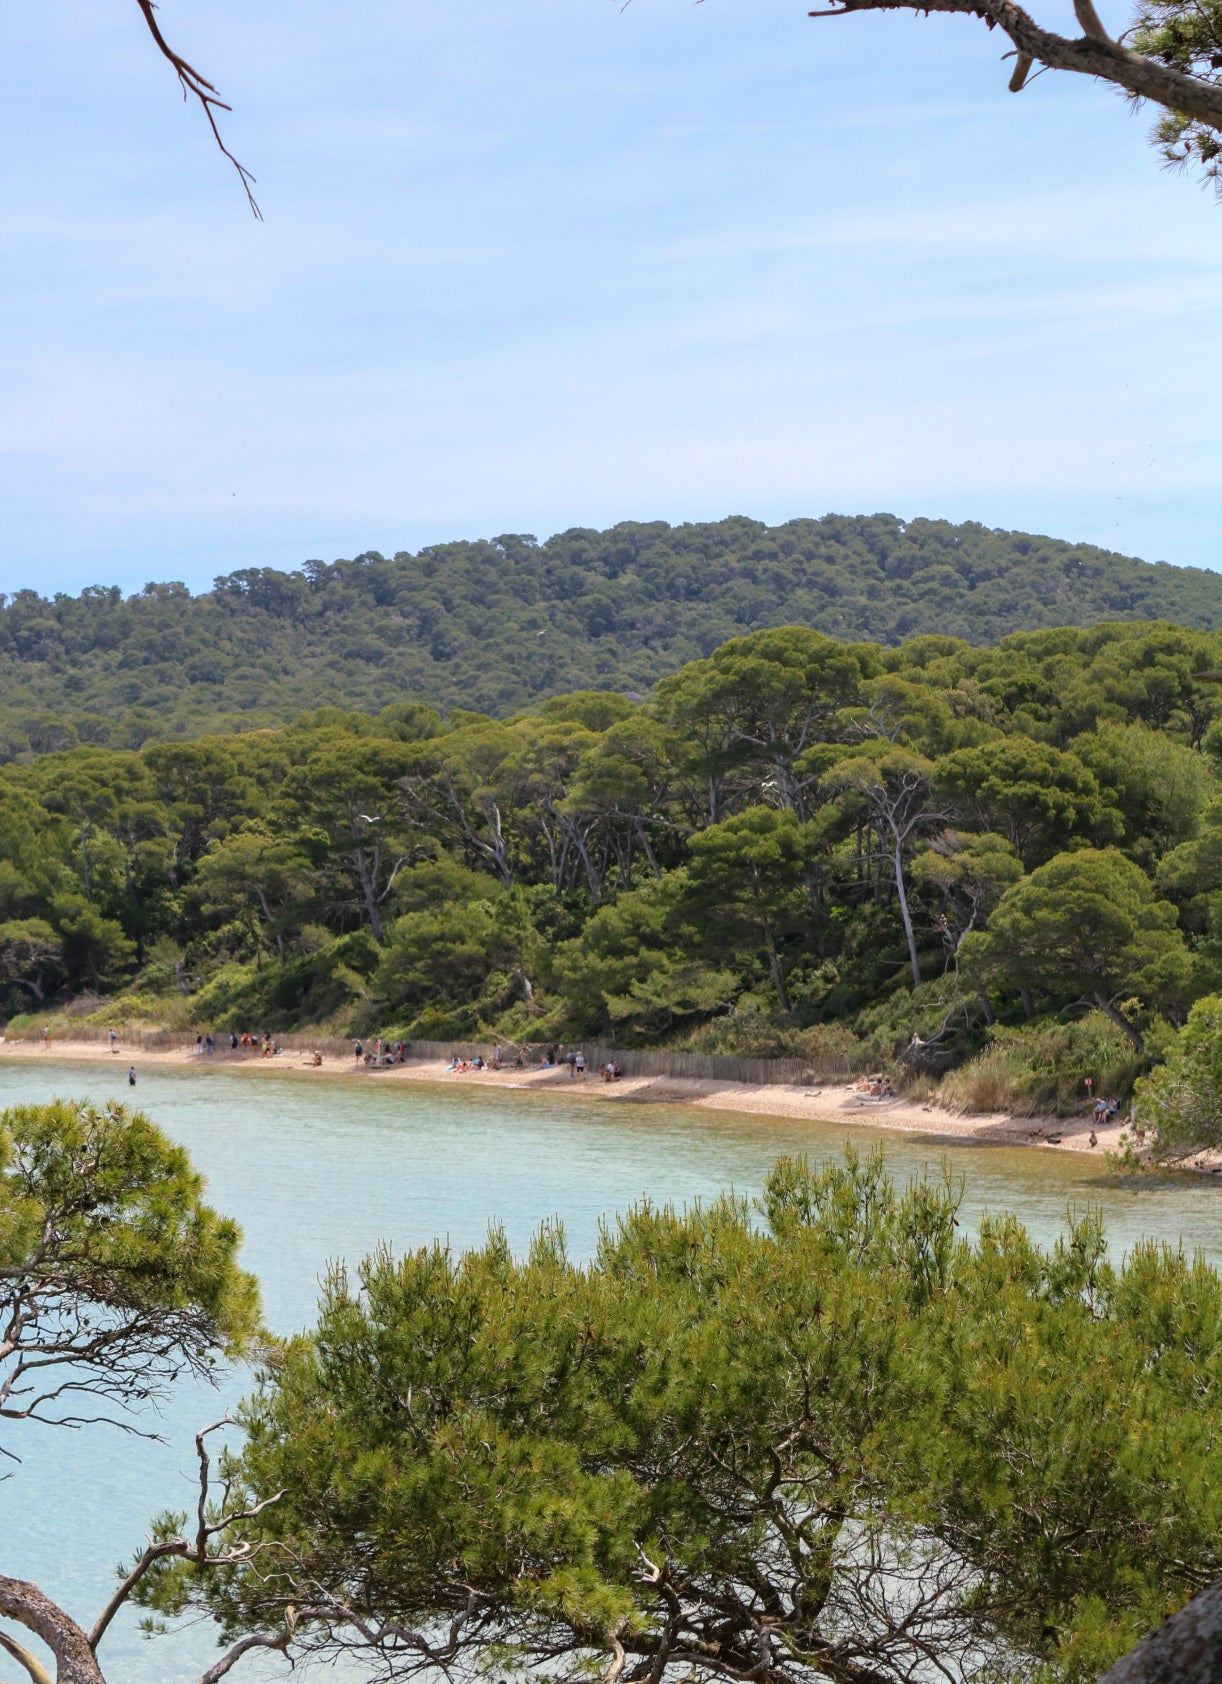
(499, 624)
(796, 847)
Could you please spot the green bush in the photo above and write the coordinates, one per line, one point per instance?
(749, 1031)
(833, 1049)
(1182, 1099)
(1041, 1067)
(144, 1007)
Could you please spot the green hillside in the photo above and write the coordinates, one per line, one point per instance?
(997, 868)
(493, 625)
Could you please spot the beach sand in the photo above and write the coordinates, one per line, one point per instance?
(833, 1102)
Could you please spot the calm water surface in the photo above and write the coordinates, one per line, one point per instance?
(316, 1168)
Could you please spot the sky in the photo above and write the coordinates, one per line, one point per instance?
(570, 262)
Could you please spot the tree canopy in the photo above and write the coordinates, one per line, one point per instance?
(115, 1276)
(837, 1444)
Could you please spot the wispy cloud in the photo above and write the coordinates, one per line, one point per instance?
(533, 266)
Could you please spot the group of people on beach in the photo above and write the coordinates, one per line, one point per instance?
(878, 1086)
(381, 1055)
(551, 1057)
(575, 1059)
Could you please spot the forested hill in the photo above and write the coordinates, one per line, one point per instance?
(491, 625)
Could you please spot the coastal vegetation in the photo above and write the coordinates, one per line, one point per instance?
(825, 1436)
(496, 625)
(1002, 863)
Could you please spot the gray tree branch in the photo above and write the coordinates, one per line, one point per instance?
(1092, 54)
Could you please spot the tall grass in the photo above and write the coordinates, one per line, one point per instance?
(1042, 1068)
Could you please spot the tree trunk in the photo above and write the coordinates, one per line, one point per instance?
(267, 913)
(1187, 1649)
(75, 1662)
(369, 894)
(1116, 1016)
(778, 977)
(1024, 995)
(901, 893)
(647, 846)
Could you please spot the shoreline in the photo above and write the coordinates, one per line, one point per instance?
(833, 1102)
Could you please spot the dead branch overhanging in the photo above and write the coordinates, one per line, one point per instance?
(196, 86)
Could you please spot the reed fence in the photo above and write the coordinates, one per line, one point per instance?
(633, 1061)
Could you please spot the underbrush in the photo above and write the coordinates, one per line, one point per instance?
(1041, 1068)
(750, 1031)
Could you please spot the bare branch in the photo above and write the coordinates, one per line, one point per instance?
(196, 86)
(264, 1640)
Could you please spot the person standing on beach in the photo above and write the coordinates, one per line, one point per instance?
(114, 1042)
(131, 1076)
(570, 1059)
(46, 1036)
(581, 1063)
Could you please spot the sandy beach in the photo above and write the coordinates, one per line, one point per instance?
(833, 1102)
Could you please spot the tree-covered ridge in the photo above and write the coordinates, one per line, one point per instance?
(1002, 863)
(496, 625)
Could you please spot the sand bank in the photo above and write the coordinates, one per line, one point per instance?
(832, 1103)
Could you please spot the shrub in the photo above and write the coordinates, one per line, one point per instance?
(1041, 1067)
(749, 1031)
(1182, 1099)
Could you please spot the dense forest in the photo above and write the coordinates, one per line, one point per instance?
(496, 625)
(998, 863)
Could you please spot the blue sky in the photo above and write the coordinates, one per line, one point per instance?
(564, 262)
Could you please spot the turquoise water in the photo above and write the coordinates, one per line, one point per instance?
(318, 1168)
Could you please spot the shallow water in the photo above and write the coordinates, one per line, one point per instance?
(318, 1168)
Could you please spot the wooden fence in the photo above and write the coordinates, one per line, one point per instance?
(66, 1033)
(707, 1067)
